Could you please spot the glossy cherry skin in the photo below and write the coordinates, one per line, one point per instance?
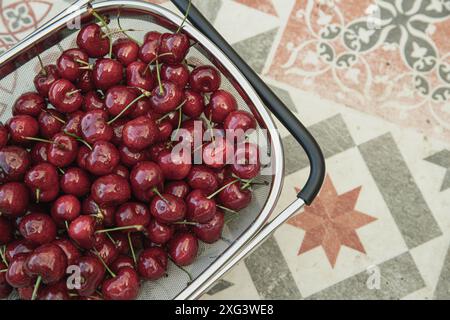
(6, 231)
(54, 292)
(17, 247)
(118, 98)
(5, 288)
(221, 104)
(125, 286)
(16, 275)
(45, 78)
(168, 100)
(199, 207)
(107, 73)
(103, 158)
(93, 101)
(121, 242)
(69, 64)
(47, 261)
(14, 199)
(126, 51)
(168, 210)
(195, 103)
(211, 231)
(139, 75)
(39, 153)
(140, 133)
(121, 262)
(38, 228)
(70, 250)
(105, 215)
(130, 157)
(82, 231)
(105, 249)
(30, 104)
(149, 50)
(205, 79)
(159, 233)
(154, 151)
(174, 165)
(75, 181)
(246, 163)
(92, 40)
(178, 189)
(239, 120)
(117, 127)
(63, 151)
(22, 126)
(14, 162)
(141, 108)
(49, 123)
(183, 248)
(43, 177)
(132, 214)
(122, 171)
(92, 272)
(173, 47)
(152, 263)
(65, 208)
(73, 123)
(86, 81)
(233, 197)
(144, 177)
(110, 190)
(175, 73)
(94, 126)
(63, 95)
(4, 135)
(218, 153)
(204, 178)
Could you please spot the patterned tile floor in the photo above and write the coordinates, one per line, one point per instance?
(371, 78)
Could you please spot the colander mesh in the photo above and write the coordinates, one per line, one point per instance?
(21, 80)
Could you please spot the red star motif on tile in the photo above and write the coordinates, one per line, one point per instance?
(331, 222)
(261, 5)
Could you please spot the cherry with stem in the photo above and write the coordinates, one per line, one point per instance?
(104, 264)
(79, 139)
(130, 243)
(136, 228)
(221, 189)
(36, 288)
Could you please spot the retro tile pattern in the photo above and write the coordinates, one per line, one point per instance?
(371, 79)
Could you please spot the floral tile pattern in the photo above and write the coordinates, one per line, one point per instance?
(371, 79)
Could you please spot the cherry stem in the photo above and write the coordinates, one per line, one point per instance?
(227, 209)
(120, 27)
(38, 195)
(82, 62)
(209, 125)
(221, 189)
(158, 76)
(104, 264)
(111, 238)
(168, 114)
(2, 254)
(36, 288)
(180, 117)
(189, 223)
(71, 93)
(156, 191)
(78, 139)
(100, 18)
(61, 171)
(185, 17)
(130, 243)
(136, 227)
(182, 269)
(126, 109)
(4, 270)
(42, 65)
(40, 140)
(67, 225)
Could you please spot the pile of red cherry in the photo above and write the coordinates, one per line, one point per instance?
(88, 180)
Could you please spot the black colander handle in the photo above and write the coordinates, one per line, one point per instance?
(276, 106)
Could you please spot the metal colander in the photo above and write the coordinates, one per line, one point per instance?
(19, 65)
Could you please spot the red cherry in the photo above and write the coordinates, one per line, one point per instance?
(199, 207)
(126, 51)
(211, 231)
(69, 64)
(175, 73)
(121, 262)
(165, 130)
(218, 153)
(63, 151)
(94, 126)
(140, 133)
(159, 233)
(82, 231)
(17, 247)
(110, 190)
(30, 104)
(16, 275)
(6, 231)
(141, 108)
(92, 40)
(118, 98)
(152, 263)
(152, 35)
(70, 250)
(4, 135)
(117, 127)
(45, 78)
(55, 292)
(39, 153)
(201, 177)
(103, 158)
(48, 262)
(86, 81)
(122, 171)
(104, 214)
(167, 100)
(139, 75)
(239, 120)
(221, 104)
(43, 182)
(174, 165)
(107, 73)
(21, 127)
(155, 150)
(50, 123)
(131, 158)
(92, 272)
(149, 50)
(14, 199)
(73, 124)
(132, 214)
(144, 178)
(64, 96)
(83, 153)
(183, 248)
(105, 249)
(93, 101)
(233, 197)
(173, 47)
(75, 181)
(205, 79)
(65, 208)
(195, 103)
(168, 209)
(14, 162)
(38, 228)
(246, 163)
(178, 189)
(125, 286)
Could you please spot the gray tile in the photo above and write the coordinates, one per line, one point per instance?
(209, 8)
(331, 134)
(285, 97)
(398, 278)
(399, 190)
(220, 286)
(443, 286)
(442, 158)
(270, 272)
(255, 50)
